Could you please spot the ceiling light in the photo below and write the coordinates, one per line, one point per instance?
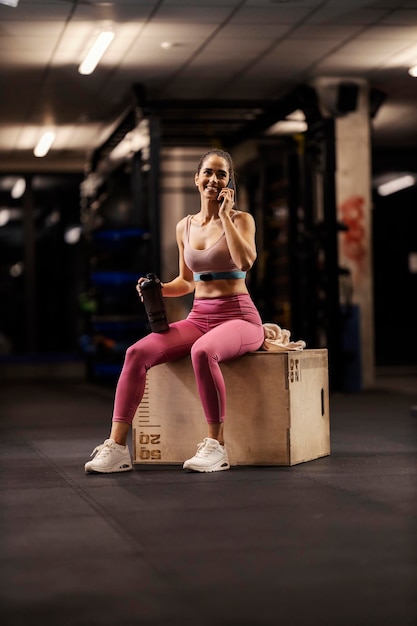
(44, 144)
(96, 52)
(72, 235)
(4, 216)
(297, 115)
(10, 3)
(293, 124)
(287, 127)
(396, 184)
(18, 188)
(413, 71)
(166, 45)
(16, 270)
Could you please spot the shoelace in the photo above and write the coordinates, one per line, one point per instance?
(204, 448)
(102, 449)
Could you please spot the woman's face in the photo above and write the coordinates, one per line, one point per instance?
(213, 176)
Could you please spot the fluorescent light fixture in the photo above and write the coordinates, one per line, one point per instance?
(297, 115)
(397, 184)
(412, 262)
(287, 127)
(17, 269)
(4, 216)
(96, 52)
(44, 144)
(413, 71)
(293, 124)
(19, 188)
(72, 234)
(10, 3)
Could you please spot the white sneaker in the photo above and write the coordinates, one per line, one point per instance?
(210, 457)
(109, 457)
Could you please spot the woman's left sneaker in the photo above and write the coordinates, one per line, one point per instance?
(211, 456)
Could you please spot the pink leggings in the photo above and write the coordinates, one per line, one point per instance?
(216, 330)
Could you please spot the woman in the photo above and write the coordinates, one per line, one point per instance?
(216, 249)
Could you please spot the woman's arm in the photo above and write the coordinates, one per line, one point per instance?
(240, 237)
(184, 282)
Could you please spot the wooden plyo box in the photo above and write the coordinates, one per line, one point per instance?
(277, 410)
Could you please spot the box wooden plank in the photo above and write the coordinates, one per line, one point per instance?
(277, 410)
(309, 407)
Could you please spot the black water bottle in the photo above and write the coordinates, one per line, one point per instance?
(151, 289)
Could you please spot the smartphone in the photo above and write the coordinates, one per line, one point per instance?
(228, 186)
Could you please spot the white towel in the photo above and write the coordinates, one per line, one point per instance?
(278, 339)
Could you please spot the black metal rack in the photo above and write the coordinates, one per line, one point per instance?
(120, 218)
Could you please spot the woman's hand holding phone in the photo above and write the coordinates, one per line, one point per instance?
(226, 198)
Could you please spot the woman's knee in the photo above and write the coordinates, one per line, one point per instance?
(200, 354)
(139, 352)
(133, 354)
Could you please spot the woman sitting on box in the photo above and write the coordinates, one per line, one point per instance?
(216, 249)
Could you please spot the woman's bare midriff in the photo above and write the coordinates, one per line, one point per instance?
(220, 288)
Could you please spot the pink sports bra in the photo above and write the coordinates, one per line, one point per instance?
(216, 258)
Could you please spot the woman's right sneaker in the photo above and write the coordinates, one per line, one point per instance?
(109, 457)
